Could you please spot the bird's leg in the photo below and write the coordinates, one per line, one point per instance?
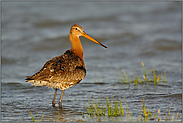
(53, 102)
(60, 102)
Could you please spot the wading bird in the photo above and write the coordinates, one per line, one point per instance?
(64, 71)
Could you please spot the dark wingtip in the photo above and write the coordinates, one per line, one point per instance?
(28, 78)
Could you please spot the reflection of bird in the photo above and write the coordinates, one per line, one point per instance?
(62, 72)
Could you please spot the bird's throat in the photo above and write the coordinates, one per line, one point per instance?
(76, 46)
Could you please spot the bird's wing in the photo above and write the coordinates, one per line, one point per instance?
(65, 68)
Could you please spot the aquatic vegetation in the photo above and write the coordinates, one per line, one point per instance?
(96, 78)
(124, 78)
(148, 114)
(111, 108)
(144, 109)
(114, 108)
(145, 77)
(34, 119)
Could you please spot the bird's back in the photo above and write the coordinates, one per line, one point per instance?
(60, 72)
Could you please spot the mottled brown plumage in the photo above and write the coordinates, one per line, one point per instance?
(62, 72)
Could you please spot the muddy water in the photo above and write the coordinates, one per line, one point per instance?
(135, 32)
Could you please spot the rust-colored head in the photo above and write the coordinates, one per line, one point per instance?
(77, 30)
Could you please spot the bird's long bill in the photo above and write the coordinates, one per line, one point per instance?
(90, 38)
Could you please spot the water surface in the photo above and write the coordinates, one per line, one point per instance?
(135, 32)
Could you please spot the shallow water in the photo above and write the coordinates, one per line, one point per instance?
(135, 32)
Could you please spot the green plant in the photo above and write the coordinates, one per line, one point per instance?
(124, 78)
(144, 109)
(34, 119)
(145, 77)
(113, 108)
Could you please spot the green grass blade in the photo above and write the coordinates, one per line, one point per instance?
(108, 106)
(136, 80)
(145, 77)
(154, 74)
(148, 111)
(116, 110)
(126, 76)
(121, 75)
(32, 117)
(111, 109)
(96, 78)
(126, 105)
(144, 110)
(96, 110)
(41, 118)
(168, 112)
(120, 106)
(164, 80)
(102, 109)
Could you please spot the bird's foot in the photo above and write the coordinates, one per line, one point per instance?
(60, 105)
(53, 104)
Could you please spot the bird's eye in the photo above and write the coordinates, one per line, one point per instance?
(76, 28)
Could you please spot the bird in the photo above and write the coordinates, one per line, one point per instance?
(66, 70)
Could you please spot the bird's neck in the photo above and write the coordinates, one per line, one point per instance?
(76, 45)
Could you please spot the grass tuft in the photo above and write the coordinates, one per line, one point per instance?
(111, 108)
(115, 108)
(124, 78)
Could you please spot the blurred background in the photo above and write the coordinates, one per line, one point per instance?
(134, 32)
